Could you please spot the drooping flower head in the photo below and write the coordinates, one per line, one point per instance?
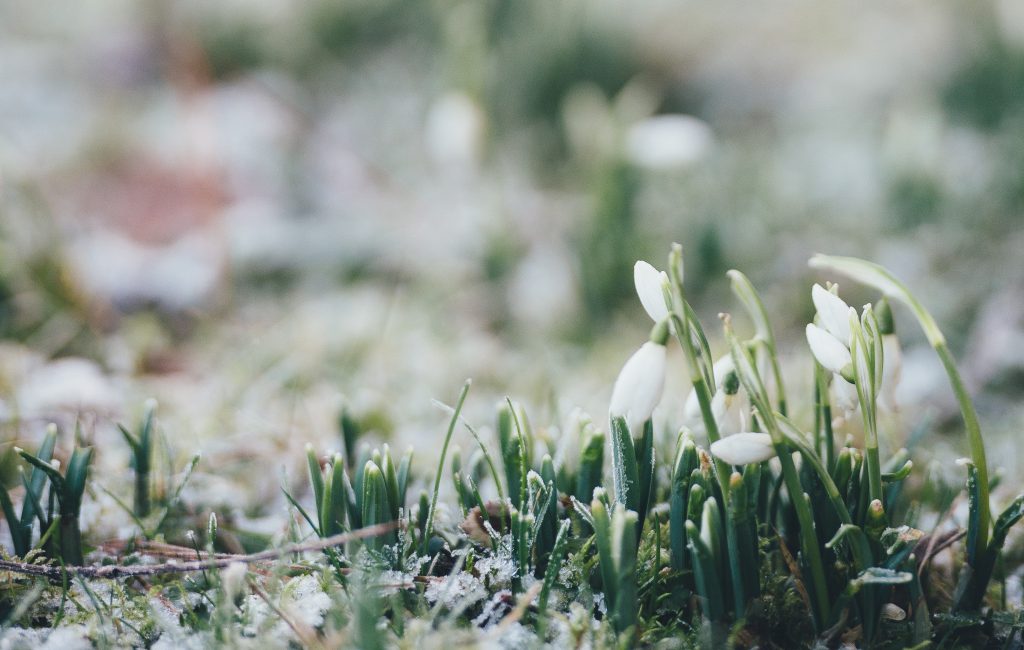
(641, 381)
(830, 343)
(650, 285)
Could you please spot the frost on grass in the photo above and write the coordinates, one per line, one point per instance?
(302, 600)
(498, 569)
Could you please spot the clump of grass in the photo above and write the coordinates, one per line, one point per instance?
(753, 526)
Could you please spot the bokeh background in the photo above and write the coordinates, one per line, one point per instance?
(258, 211)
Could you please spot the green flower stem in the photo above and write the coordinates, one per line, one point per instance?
(823, 416)
(864, 349)
(796, 439)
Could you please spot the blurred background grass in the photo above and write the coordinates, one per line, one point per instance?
(256, 210)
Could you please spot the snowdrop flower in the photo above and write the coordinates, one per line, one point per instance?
(830, 343)
(744, 448)
(727, 409)
(641, 381)
(730, 411)
(649, 287)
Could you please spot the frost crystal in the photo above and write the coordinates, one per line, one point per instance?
(457, 590)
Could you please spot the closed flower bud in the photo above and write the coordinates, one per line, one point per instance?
(639, 386)
(650, 285)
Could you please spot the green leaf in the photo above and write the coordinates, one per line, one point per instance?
(624, 467)
(603, 536)
(316, 477)
(404, 466)
(591, 465)
(555, 560)
(74, 481)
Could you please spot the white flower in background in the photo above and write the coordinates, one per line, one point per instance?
(650, 285)
(177, 275)
(744, 448)
(455, 130)
(668, 141)
(69, 384)
(639, 385)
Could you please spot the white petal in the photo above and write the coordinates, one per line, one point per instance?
(692, 417)
(729, 412)
(827, 349)
(744, 448)
(723, 367)
(833, 312)
(649, 284)
(639, 386)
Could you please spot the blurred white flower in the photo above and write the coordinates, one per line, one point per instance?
(639, 386)
(828, 350)
(455, 130)
(69, 384)
(744, 448)
(668, 141)
(178, 275)
(649, 287)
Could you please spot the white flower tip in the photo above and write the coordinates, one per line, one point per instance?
(649, 284)
(744, 448)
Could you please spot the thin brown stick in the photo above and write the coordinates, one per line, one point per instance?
(219, 561)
